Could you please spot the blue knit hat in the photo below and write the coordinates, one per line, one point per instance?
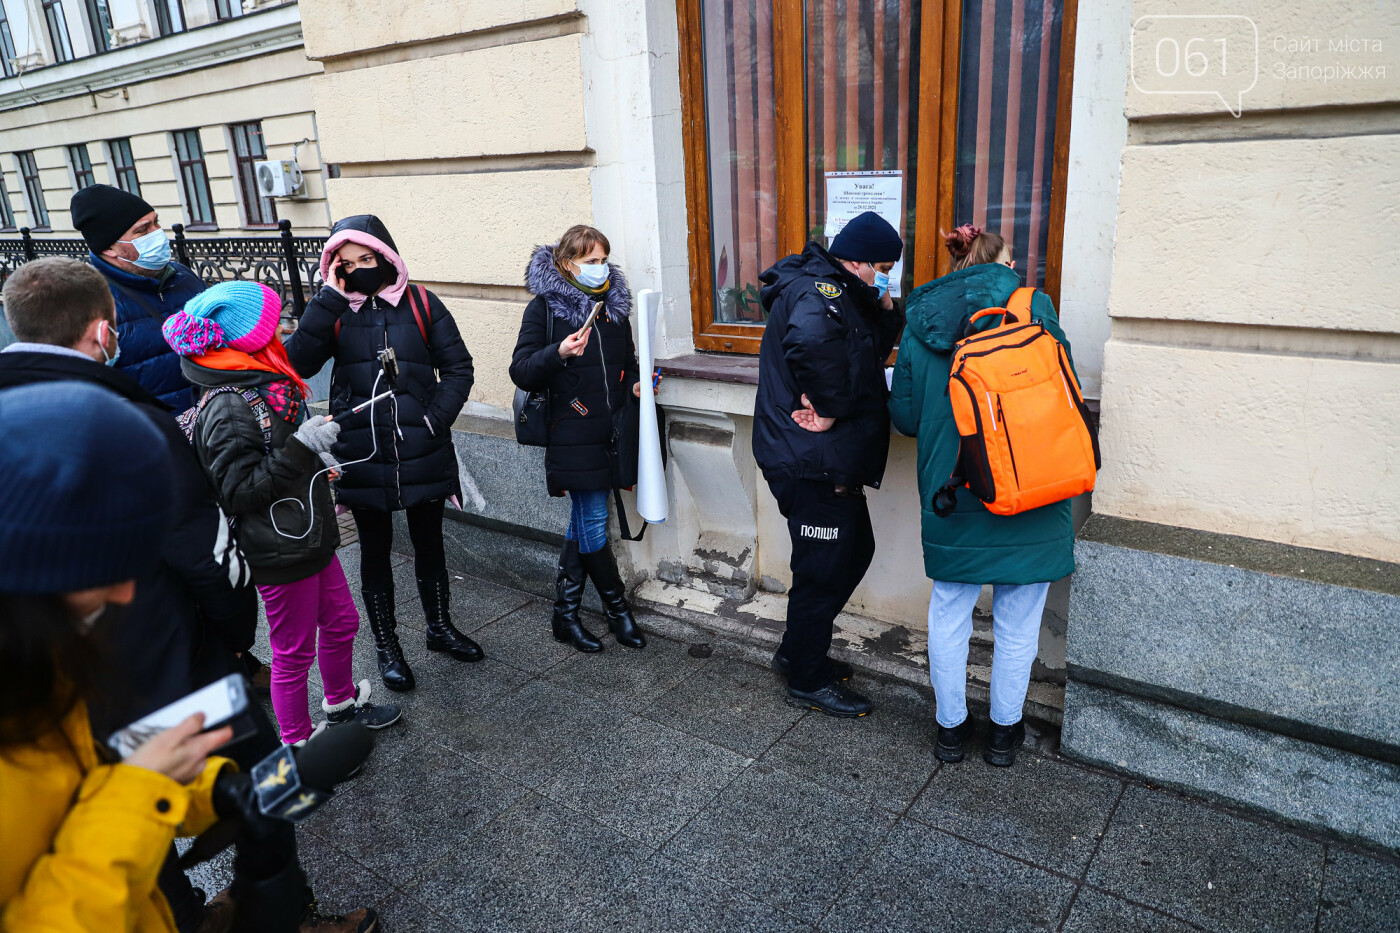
(240, 315)
(867, 237)
(85, 489)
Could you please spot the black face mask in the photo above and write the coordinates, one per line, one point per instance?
(365, 281)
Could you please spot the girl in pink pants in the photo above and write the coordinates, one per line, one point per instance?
(272, 466)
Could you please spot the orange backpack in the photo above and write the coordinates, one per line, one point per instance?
(1025, 438)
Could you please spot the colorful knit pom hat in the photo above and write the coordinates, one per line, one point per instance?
(239, 315)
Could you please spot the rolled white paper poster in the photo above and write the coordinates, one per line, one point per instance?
(651, 475)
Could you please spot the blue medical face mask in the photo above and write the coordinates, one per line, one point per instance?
(882, 282)
(152, 250)
(592, 274)
(110, 358)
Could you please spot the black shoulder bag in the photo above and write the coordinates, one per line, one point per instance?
(531, 409)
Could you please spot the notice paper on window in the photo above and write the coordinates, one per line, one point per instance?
(852, 193)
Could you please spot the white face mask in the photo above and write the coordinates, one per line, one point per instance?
(592, 274)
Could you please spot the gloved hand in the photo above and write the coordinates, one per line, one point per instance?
(317, 434)
(328, 458)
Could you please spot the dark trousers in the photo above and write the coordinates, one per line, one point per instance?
(832, 547)
(253, 862)
(377, 537)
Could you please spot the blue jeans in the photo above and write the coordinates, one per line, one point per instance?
(588, 519)
(1016, 612)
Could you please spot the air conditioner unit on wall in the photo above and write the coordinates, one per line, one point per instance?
(279, 179)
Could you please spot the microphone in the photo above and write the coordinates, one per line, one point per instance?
(286, 786)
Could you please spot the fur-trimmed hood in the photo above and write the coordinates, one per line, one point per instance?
(568, 303)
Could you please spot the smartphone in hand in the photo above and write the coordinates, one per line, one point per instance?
(223, 702)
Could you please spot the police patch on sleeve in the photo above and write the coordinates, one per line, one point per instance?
(828, 290)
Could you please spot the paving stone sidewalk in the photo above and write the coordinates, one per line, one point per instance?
(672, 790)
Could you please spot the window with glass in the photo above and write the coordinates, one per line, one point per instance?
(123, 165)
(248, 149)
(82, 167)
(99, 24)
(7, 213)
(170, 17)
(946, 109)
(57, 26)
(227, 9)
(33, 190)
(7, 45)
(194, 179)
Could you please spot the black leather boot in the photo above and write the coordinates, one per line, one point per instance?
(393, 669)
(1002, 742)
(442, 634)
(601, 568)
(568, 594)
(949, 744)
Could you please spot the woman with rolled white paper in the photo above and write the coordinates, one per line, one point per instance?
(589, 367)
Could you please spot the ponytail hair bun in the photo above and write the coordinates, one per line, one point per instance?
(972, 246)
(960, 241)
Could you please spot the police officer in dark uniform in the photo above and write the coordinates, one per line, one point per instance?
(821, 434)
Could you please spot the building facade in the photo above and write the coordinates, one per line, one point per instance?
(175, 100)
(1220, 278)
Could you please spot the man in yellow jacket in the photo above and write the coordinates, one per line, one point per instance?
(84, 505)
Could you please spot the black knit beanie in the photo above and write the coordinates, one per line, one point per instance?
(103, 213)
(867, 237)
(87, 498)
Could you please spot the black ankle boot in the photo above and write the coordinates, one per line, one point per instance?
(393, 669)
(442, 634)
(1002, 742)
(568, 594)
(601, 568)
(949, 744)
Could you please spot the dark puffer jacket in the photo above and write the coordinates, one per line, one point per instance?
(827, 338)
(249, 480)
(143, 304)
(592, 409)
(192, 610)
(413, 459)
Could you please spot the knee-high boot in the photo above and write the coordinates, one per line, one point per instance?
(601, 568)
(393, 668)
(442, 634)
(568, 594)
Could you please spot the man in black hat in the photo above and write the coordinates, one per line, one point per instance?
(132, 252)
(821, 435)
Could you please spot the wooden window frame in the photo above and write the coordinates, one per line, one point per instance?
(32, 182)
(251, 199)
(185, 170)
(120, 168)
(80, 161)
(940, 57)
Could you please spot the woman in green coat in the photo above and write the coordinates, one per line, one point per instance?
(1019, 554)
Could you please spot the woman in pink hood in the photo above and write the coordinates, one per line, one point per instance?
(387, 335)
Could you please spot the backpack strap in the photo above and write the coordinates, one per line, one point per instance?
(262, 412)
(418, 301)
(1019, 304)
